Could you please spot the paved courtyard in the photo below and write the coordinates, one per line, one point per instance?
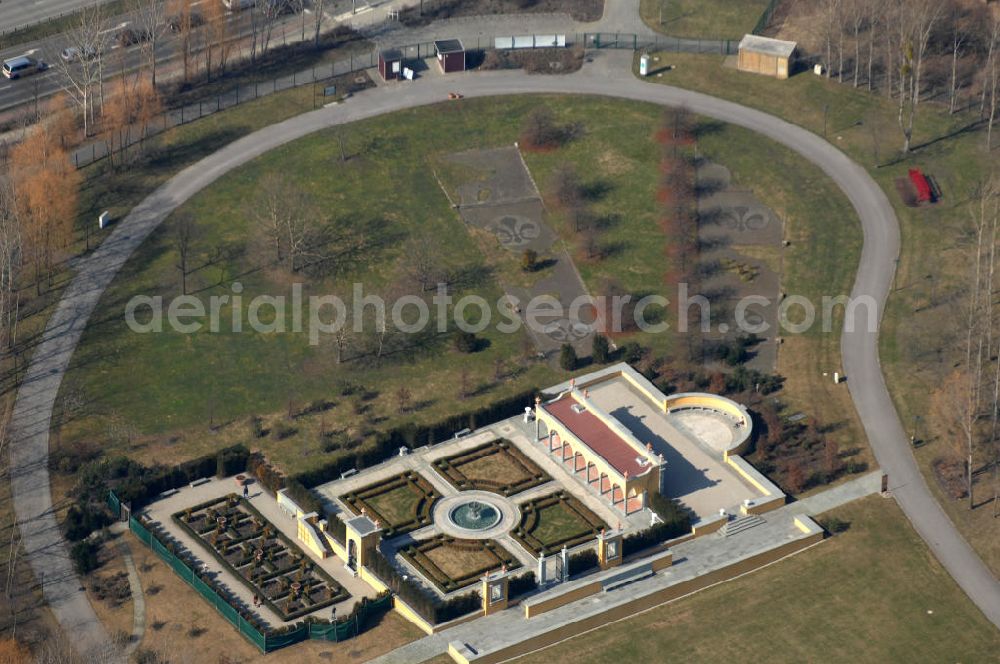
(495, 191)
(696, 474)
(422, 461)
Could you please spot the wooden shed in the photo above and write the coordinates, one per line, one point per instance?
(450, 55)
(763, 55)
(390, 64)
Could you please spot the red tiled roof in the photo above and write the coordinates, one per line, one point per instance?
(598, 436)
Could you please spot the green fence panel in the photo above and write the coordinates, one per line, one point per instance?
(114, 504)
(265, 642)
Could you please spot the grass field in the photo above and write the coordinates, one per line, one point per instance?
(708, 19)
(550, 522)
(871, 594)
(918, 342)
(172, 396)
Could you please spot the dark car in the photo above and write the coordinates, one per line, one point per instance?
(131, 36)
(176, 23)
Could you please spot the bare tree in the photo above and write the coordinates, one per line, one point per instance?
(318, 16)
(11, 263)
(263, 18)
(916, 21)
(858, 11)
(150, 18)
(959, 35)
(423, 259)
(184, 235)
(832, 29)
(217, 38)
(88, 38)
(290, 222)
(990, 81)
(403, 398)
(182, 12)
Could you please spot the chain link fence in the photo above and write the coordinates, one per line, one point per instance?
(243, 93)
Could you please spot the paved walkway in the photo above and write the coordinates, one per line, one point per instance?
(138, 597)
(692, 558)
(45, 547)
(164, 509)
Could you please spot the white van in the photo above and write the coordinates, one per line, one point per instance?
(21, 66)
(238, 5)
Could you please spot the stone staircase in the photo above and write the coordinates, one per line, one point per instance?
(740, 524)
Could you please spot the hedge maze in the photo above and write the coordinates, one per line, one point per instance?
(272, 566)
(401, 504)
(554, 521)
(497, 466)
(452, 564)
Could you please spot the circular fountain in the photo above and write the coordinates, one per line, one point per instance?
(475, 515)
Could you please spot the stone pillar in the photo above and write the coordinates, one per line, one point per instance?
(541, 569)
(538, 420)
(495, 591)
(565, 563)
(609, 548)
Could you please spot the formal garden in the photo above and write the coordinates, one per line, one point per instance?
(400, 504)
(554, 521)
(275, 568)
(497, 466)
(452, 564)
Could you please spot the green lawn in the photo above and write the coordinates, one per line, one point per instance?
(403, 503)
(925, 306)
(173, 396)
(707, 19)
(871, 594)
(550, 522)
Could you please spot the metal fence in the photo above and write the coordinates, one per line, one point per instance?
(765, 18)
(247, 92)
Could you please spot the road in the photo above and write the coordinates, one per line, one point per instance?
(608, 75)
(16, 14)
(14, 93)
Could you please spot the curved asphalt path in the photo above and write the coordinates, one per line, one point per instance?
(33, 409)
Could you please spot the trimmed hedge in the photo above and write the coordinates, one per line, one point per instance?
(676, 522)
(426, 606)
(521, 585)
(583, 561)
(137, 484)
(384, 445)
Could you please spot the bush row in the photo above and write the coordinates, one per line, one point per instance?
(137, 484)
(426, 606)
(386, 444)
(676, 522)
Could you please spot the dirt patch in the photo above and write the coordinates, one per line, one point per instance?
(907, 192)
(536, 61)
(950, 476)
(434, 10)
(181, 626)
